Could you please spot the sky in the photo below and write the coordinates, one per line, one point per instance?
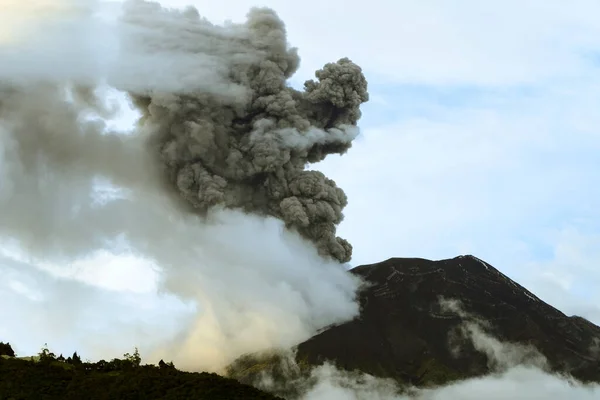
(481, 137)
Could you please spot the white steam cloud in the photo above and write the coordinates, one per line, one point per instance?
(516, 383)
(212, 185)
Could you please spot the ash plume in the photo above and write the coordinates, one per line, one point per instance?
(206, 183)
(250, 151)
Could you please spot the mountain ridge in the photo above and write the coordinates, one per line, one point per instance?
(405, 333)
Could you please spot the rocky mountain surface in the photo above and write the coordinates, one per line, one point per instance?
(405, 333)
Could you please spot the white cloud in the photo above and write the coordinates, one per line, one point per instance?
(568, 279)
(517, 383)
(73, 316)
(114, 272)
(455, 170)
(506, 176)
(436, 42)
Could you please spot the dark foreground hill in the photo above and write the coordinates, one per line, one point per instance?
(404, 333)
(51, 379)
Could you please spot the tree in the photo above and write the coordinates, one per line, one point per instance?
(74, 359)
(166, 367)
(134, 358)
(6, 350)
(101, 365)
(46, 355)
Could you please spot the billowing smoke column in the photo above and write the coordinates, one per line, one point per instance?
(200, 187)
(249, 151)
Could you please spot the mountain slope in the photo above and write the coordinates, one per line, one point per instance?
(411, 330)
(404, 333)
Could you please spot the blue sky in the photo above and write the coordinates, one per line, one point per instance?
(507, 174)
(481, 137)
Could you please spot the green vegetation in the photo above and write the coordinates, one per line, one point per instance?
(430, 372)
(278, 365)
(287, 376)
(51, 377)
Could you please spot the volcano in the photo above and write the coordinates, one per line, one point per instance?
(405, 333)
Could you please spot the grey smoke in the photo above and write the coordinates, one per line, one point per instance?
(251, 151)
(202, 187)
(221, 124)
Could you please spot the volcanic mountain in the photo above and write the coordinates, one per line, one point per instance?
(405, 332)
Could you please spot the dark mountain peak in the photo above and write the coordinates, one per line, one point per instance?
(465, 276)
(466, 263)
(403, 331)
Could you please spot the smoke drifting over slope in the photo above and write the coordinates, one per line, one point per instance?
(207, 181)
(519, 372)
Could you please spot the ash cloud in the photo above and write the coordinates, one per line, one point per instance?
(250, 151)
(218, 117)
(210, 186)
